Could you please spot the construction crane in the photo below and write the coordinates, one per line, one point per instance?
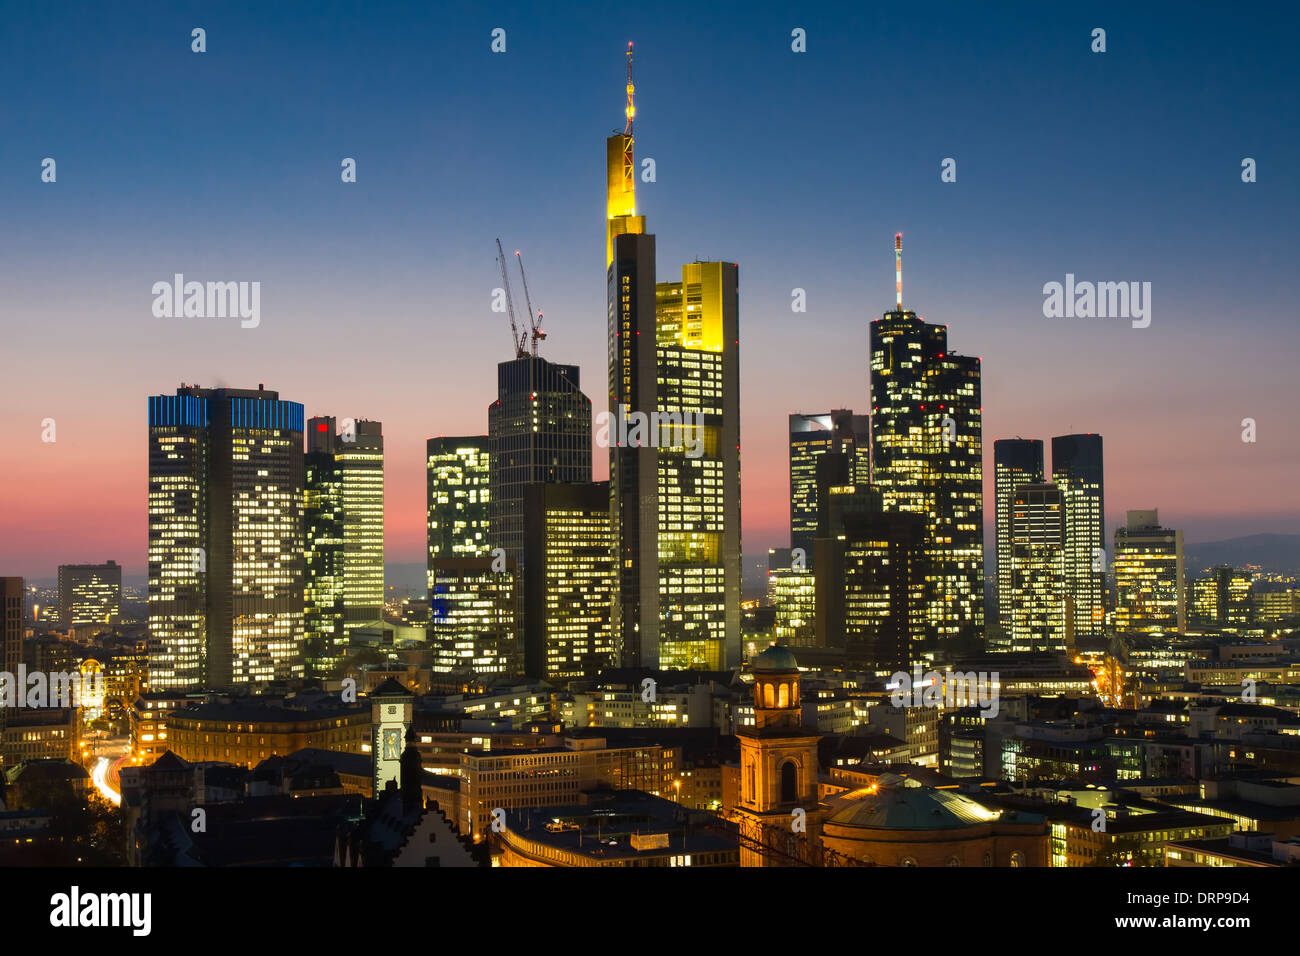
(516, 339)
(534, 323)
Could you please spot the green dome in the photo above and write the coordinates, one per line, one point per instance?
(904, 804)
(774, 659)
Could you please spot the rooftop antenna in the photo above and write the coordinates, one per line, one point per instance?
(898, 268)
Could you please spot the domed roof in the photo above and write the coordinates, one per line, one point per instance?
(774, 659)
(903, 804)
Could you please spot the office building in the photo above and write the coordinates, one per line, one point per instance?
(870, 581)
(344, 513)
(1077, 471)
(568, 589)
(1038, 569)
(457, 480)
(1016, 462)
(1150, 588)
(473, 628)
(675, 497)
(90, 593)
(811, 436)
(927, 458)
(225, 538)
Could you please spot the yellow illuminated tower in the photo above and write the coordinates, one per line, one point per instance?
(674, 496)
(620, 178)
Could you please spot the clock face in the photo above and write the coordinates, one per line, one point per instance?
(393, 744)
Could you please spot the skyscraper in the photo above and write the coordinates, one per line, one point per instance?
(457, 476)
(1038, 569)
(90, 593)
(1077, 471)
(675, 501)
(569, 552)
(225, 538)
(539, 431)
(473, 629)
(870, 581)
(926, 441)
(1016, 462)
(810, 437)
(344, 508)
(1150, 579)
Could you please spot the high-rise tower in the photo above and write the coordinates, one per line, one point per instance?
(458, 498)
(225, 538)
(1077, 471)
(926, 437)
(675, 496)
(1016, 462)
(344, 504)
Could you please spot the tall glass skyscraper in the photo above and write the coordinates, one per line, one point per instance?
(810, 437)
(926, 441)
(1038, 569)
(1077, 470)
(225, 538)
(675, 504)
(1016, 462)
(457, 476)
(344, 507)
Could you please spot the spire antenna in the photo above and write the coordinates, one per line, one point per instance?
(898, 268)
(631, 108)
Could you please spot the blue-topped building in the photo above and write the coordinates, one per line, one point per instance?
(225, 538)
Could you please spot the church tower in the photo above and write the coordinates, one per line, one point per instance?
(777, 802)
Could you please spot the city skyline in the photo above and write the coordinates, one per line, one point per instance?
(979, 252)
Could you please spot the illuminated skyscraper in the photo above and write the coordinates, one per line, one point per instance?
(569, 587)
(1016, 462)
(673, 352)
(225, 538)
(473, 629)
(1038, 569)
(457, 479)
(870, 581)
(926, 440)
(810, 437)
(1150, 580)
(791, 591)
(539, 431)
(1077, 471)
(90, 593)
(344, 507)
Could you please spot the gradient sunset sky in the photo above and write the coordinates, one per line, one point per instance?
(1122, 166)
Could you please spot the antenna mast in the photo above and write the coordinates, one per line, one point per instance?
(898, 268)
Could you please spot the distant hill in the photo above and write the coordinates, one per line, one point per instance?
(1276, 552)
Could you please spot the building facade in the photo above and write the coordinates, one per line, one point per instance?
(225, 538)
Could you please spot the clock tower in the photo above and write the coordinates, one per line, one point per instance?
(391, 707)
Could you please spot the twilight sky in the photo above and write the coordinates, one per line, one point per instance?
(1122, 166)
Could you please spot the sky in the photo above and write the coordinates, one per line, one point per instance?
(375, 295)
